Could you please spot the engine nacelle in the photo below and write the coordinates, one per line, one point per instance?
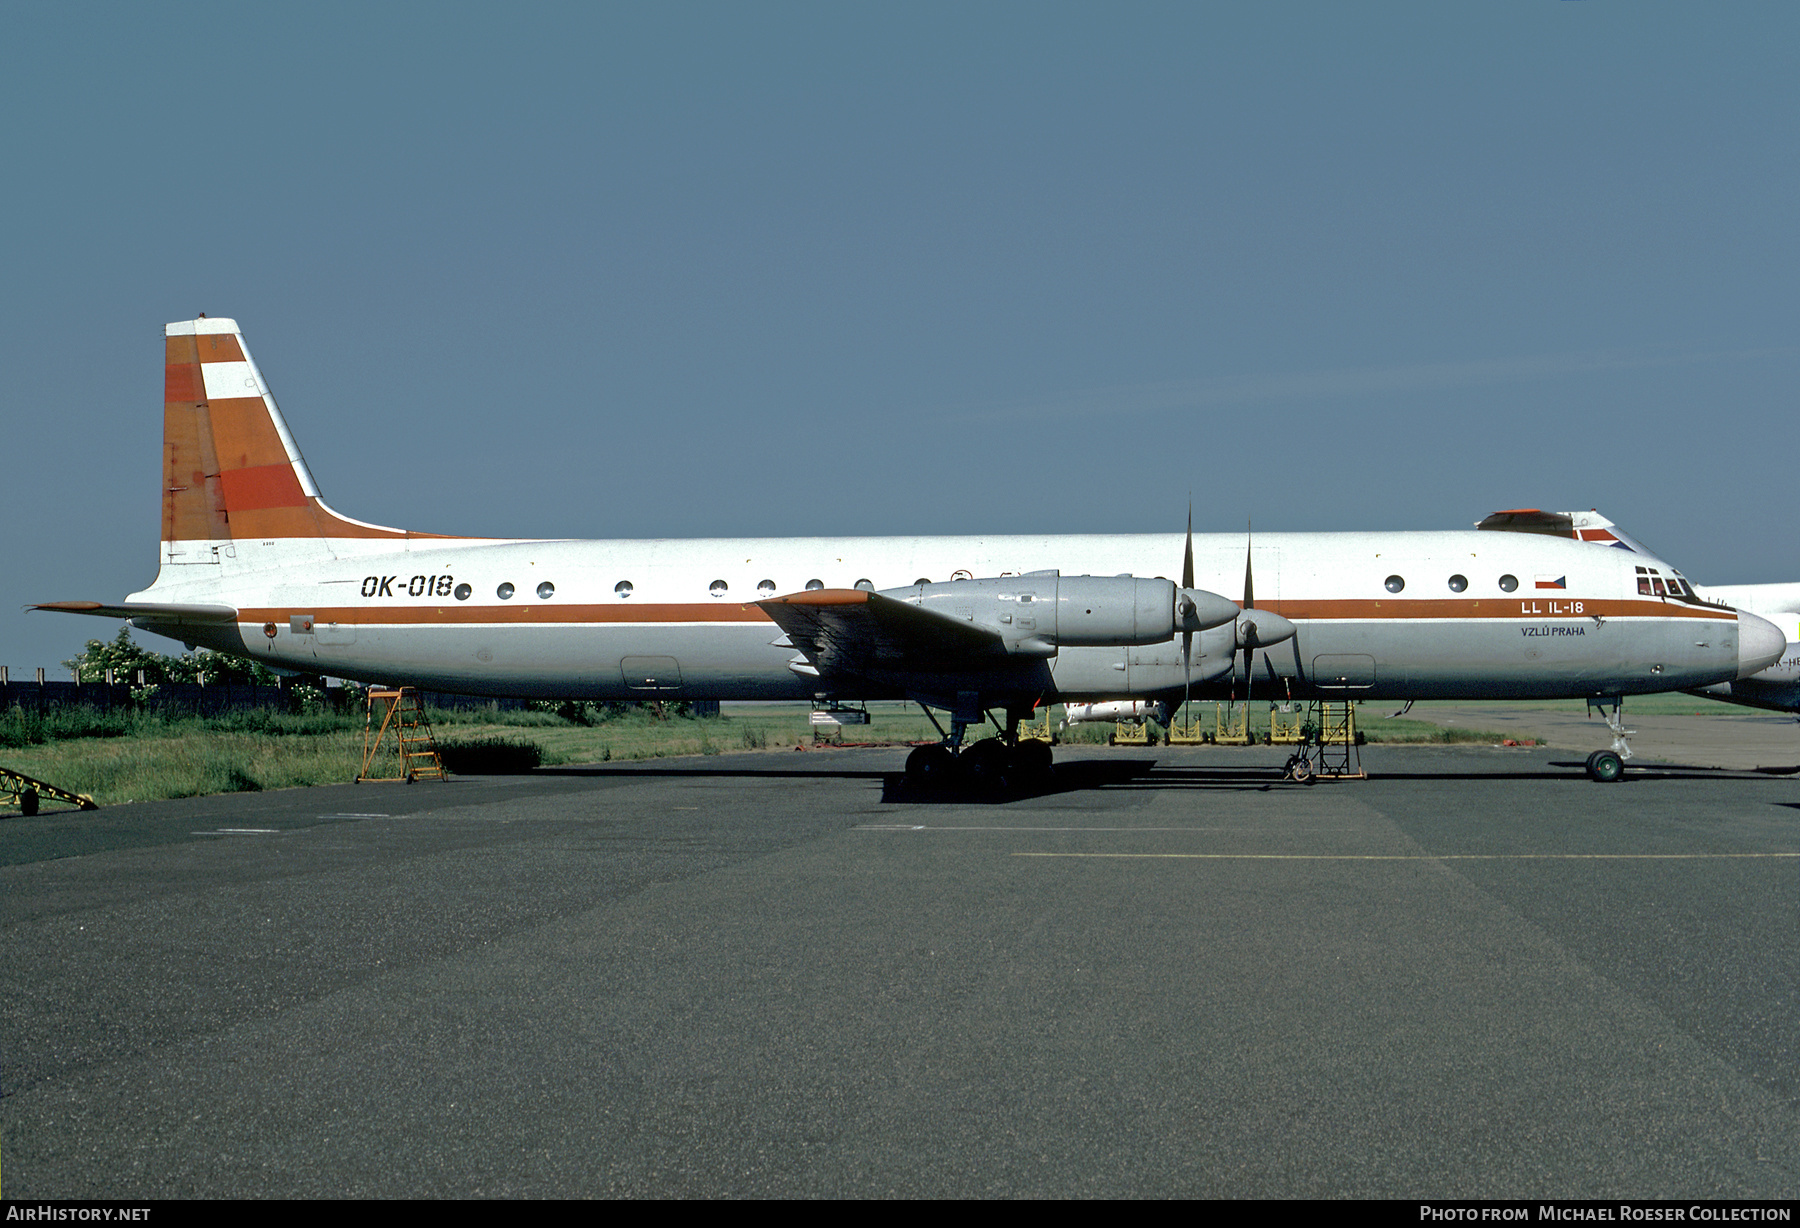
(1037, 613)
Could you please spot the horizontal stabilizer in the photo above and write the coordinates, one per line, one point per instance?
(146, 611)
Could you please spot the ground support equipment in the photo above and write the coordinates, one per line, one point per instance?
(1339, 753)
(1232, 725)
(1184, 728)
(1287, 724)
(412, 751)
(1130, 733)
(18, 789)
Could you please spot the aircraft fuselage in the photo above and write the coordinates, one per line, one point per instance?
(432, 613)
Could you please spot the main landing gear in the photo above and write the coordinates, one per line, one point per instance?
(992, 765)
(1608, 765)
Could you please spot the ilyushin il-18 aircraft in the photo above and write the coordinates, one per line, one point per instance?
(254, 563)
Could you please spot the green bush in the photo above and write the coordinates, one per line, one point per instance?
(489, 756)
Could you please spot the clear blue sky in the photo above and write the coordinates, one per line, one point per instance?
(686, 270)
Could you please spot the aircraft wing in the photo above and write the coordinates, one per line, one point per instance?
(166, 612)
(854, 633)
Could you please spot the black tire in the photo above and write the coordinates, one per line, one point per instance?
(987, 764)
(1605, 766)
(28, 803)
(930, 765)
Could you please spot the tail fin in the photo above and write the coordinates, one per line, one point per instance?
(231, 470)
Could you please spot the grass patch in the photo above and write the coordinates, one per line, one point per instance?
(114, 770)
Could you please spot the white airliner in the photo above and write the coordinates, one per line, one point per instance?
(254, 563)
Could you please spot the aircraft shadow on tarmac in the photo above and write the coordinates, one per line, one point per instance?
(1135, 773)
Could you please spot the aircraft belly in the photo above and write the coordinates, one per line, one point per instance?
(562, 662)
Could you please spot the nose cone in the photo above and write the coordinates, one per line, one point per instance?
(1760, 644)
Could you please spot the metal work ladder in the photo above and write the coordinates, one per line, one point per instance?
(1339, 758)
(414, 750)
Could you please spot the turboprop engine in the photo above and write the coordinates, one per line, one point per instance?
(1042, 611)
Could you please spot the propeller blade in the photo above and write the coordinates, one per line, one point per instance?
(1187, 557)
(1187, 637)
(1249, 580)
(1187, 668)
(1249, 636)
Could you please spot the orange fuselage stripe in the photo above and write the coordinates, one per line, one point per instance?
(540, 613)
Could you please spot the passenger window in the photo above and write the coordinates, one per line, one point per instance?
(623, 588)
(813, 586)
(1458, 583)
(1508, 583)
(504, 592)
(867, 586)
(1393, 584)
(766, 588)
(718, 588)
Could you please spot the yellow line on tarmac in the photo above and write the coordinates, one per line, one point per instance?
(1425, 856)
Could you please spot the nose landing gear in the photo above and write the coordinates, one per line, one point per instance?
(1605, 766)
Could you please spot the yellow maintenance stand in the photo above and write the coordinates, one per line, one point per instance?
(1287, 724)
(1184, 728)
(1232, 725)
(1038, 730)
(1127, 733)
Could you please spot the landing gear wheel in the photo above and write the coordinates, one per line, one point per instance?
(1300, 770)
(1605, 766)
(987, 764)
(930, 766)
(28, 803)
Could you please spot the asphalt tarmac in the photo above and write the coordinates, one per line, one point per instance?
(1475, 974)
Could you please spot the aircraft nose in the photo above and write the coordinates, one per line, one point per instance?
(1760, 644)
